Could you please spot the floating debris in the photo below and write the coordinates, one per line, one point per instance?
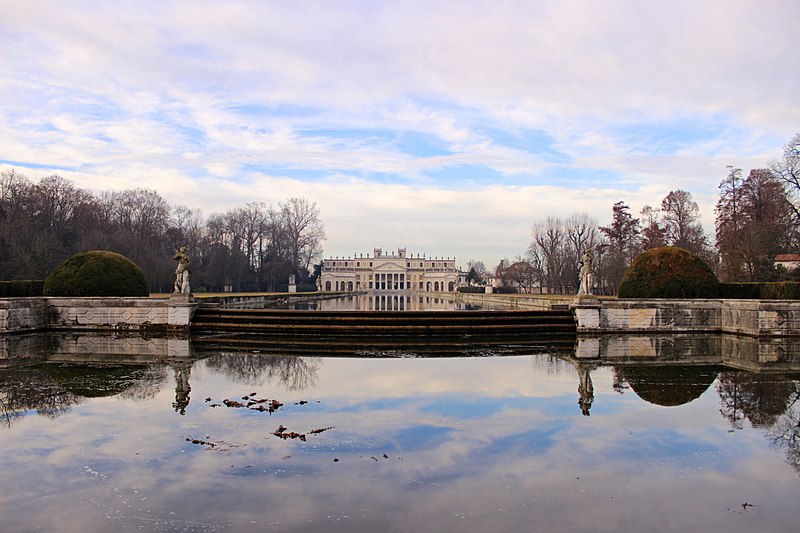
(201, 442)
(282, 433)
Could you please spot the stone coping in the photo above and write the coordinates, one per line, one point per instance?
(95, 313)
(742, 317)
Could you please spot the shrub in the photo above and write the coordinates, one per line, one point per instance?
(669, 272)
(17, 288)
(505, 290)
(97, 273)
(785, 290)
(472, 289)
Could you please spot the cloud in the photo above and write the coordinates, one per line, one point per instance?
(493, 115)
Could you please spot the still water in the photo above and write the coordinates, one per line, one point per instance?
(518, 439)
(377, 301)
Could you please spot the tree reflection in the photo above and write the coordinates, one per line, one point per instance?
(786, 431)
(767, 401)
(294, 372)
(51, 390)
(759, 398)
(27, 389)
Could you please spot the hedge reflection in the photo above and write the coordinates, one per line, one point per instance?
(293, 372)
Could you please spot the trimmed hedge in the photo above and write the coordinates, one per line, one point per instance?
(21, 288)
(784, 290)
(474, 289)
(97, 273)
(669, 272)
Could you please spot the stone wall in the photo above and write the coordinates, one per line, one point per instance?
(107, 314)
(743, 317)
(529, 302)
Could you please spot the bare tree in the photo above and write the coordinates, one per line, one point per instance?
(729, 223)
(304, 231)
(654, 234)
(681, 218)
(547, 249)
(621, 247)
(787, 169)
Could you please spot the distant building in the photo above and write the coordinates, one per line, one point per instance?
(390, 272)
(788, 261)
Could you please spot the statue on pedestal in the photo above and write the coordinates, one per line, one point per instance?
(182, 271)
(585, 275)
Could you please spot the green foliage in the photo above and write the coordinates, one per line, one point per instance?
(17, 288)
(786, 290)
(669, 272)
(97, 273)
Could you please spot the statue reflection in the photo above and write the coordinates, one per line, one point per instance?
(182, 388)
(585, 389)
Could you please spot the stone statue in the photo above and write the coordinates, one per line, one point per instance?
(291, 279)
(182, 271)
(586, 273)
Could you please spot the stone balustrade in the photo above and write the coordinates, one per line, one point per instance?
(106, 314)
(758, 318)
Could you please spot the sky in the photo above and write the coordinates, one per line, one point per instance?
(448, 128)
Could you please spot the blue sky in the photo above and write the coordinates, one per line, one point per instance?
(449, 128)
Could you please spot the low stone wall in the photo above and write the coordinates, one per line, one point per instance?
(742, 317)
(105, 314)
(255, 300)
(529, 302)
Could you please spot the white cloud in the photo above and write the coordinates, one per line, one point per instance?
(222, 104)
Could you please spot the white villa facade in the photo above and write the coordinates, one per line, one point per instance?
(390, 272)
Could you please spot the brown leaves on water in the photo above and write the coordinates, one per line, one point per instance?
(282, 433)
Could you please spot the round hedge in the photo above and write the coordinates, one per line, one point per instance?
(669, 272)
(97, 273)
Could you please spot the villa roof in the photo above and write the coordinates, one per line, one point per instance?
(787, 257)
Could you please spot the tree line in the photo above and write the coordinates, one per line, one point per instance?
(757, 217)
(254, 247)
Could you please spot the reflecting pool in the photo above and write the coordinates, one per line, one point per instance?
(520, 438)
(375, 301)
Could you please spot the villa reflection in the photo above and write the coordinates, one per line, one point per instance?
(383, 301)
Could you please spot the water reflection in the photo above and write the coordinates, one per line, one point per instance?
(380, 301)
(668, 386)
(409, 443)
(292, 372)
(23, 390)
(182, 371)
(585, 390)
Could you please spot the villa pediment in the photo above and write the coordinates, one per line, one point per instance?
(390, 266)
